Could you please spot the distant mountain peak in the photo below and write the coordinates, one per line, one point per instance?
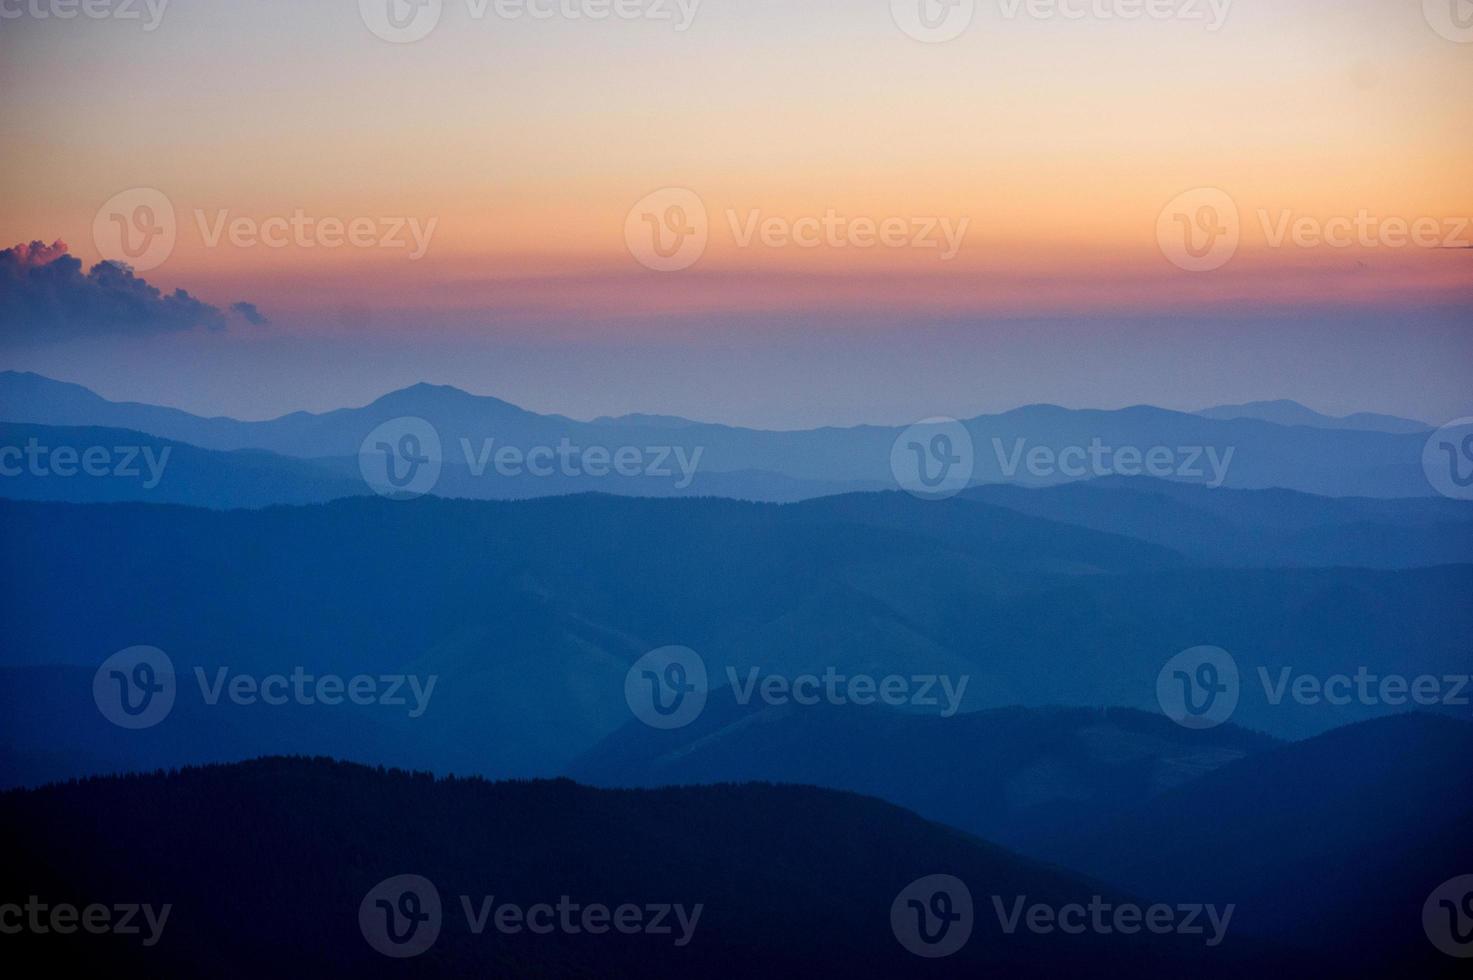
(646, 421)
(1286, 411)
(425, 396)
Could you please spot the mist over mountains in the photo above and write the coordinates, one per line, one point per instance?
(1033, 446)
(500, 627)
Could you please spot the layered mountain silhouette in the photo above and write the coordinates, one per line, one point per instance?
(1046, 610)
(131, 465)
(531, 613)
(1016, 776)
(267, 864)
(756, 464)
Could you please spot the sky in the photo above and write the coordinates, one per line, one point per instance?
(1035, 175)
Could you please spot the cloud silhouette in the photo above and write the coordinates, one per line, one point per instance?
(249, 313)
(45, 294)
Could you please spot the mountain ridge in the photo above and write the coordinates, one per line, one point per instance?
(1249, 453)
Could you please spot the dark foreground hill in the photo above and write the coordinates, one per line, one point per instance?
(1336, 841)
(267, 866)
(1333, 844)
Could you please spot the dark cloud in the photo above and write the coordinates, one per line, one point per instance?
(45, 294)
(249, 313)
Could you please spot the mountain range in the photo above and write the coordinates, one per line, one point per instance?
(1015, 776)
(1286, 412)
(514, 615)
(530, 613)
(1251, 451)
